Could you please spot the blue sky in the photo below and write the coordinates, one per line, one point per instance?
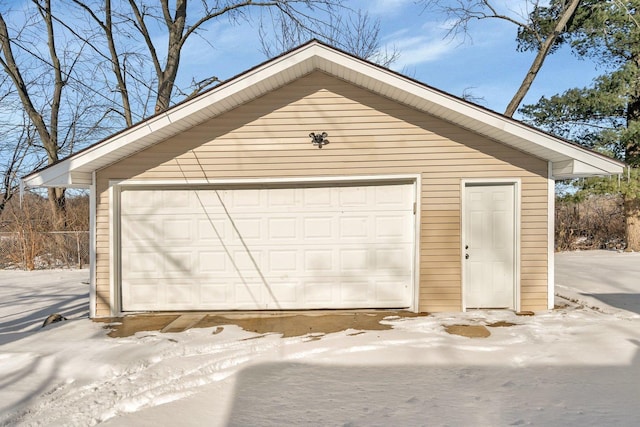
(486, 64)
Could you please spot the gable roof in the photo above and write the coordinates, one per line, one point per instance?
(569, 160)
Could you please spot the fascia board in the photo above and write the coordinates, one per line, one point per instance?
(280, 71)
(577, 169)
(56, 175)
(564, 149)
(49, 179)
(141, 135)
(563, 169)
(530, 140)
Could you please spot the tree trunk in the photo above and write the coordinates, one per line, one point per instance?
(48, 134)
(543, 51)
(632, 158)
(58, 202)
(632, 223)
(117, 68)
(167, 78)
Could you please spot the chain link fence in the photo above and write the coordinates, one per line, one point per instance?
(44, 250)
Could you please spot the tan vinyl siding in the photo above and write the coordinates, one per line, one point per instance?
(369, 135)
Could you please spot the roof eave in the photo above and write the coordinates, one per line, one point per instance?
(569, 160)
(576, 169)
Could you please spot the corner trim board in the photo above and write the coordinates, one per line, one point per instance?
(551, 207)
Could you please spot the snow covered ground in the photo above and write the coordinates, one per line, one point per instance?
(576, 365)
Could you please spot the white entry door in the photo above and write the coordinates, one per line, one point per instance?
(489, 246)
(348, 246)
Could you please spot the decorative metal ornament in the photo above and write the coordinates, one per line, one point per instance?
(319, 139)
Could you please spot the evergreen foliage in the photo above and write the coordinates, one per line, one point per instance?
(606, 115)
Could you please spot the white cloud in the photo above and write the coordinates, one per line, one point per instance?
(418, 50)
(427, 45)
(386, 7)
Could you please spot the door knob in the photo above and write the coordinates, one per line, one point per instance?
(466, 256)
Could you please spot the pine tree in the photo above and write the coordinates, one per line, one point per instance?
(606, 115)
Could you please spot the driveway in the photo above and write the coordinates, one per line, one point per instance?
(608, 280)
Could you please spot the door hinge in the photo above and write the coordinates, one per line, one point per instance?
(415, 205)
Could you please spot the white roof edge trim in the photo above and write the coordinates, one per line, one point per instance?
(47, 178)
(306, 58)
(577, 169)
(67, 180)
(563, 147)
(172, 116)
(481, 115)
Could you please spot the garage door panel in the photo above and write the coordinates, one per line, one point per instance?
(318, 260)
(282, 198)
(248, 293)
(382, 293)
(211, 230)
(392, 260)
(215, 294)
(285, 293)
(209, 199)
(354, 227)
(393, 227)
(175, 199)
(319, 228)
(142, 262)
(212, 262)
(355, 291)
(317, 198)
(282, 228)
(141, 294)
(246, 261)
(248, 229)
(354, 196)
(280, 248)
(144, 201)
(177, 264)
(317, 293)
(181, 293)
(398, 197)
(175, 230)
(245, 199)
(283, 262)
(139, 230)
(356, 260)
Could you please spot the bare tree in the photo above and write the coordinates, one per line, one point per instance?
(48, 132)
(14, 145)
(181, 20)
(180, 25)
(545, 42)
(541, 32)
(355, 33)
(118, 67)
(81, 69)
(46, 83)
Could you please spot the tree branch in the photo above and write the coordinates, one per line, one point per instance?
(11, 68)
(542, 54)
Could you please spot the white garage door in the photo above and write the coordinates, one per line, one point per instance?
(267, 249)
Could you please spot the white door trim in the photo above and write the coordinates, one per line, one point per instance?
(115, 301)
(516, 183)
(270, 182)
(115, 187)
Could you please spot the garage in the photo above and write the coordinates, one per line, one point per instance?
(308, 246)
(318, 180)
